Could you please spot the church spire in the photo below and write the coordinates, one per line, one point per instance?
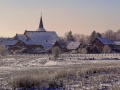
(41, 23)
(41, 27)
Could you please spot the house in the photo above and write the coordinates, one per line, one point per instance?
(73, 46)
(116, 47)
(100, 42)
(9, 43)
(25, 42)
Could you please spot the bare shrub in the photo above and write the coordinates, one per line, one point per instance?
(3, 50)
(65, 73)
(74, 52)
(35, 80)
(83, 50)
(61, 77)
(24, 81)
(56, 51)
(107, 49)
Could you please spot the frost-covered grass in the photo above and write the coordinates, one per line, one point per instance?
(94, 77)
(68, 73)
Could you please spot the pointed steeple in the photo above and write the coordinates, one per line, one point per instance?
(41, 23)
(41, 27)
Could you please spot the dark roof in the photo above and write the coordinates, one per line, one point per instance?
(21, 37)
(9, 42)
(106, 41)
(46, 39)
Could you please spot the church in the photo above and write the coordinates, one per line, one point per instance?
(36, 40)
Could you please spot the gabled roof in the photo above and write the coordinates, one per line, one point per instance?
(46, 39)
(43, 36)
(28, 42)
(57, 44)
(25, 39)
(106, 41)
(47, 45)
(21, 37)
(9, 42)
(73, 45)
(63, 44)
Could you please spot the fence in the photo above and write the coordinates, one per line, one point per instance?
(74, 56)
(92, 56)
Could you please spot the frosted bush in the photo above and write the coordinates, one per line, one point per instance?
(3, 50)
(56, 51)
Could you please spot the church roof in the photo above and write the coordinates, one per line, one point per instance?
(21, 37)
(28, 42)
(9, 42)
(25, 39)
(46, 39)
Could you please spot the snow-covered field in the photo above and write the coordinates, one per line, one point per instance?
(11, 64)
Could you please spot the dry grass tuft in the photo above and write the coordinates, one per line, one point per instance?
(61, 77)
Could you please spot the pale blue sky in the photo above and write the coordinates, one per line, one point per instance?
(79, 16)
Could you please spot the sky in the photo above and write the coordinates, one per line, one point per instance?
(78, 16)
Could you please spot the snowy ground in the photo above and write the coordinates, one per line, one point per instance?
(13, 63)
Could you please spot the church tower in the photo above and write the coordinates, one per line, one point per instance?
(41, 27)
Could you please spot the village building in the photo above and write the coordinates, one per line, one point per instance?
(73, 46)
(37, 40)
(9, 43)
(100, 43)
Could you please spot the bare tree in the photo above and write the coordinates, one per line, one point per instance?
(93, 36)
(109, 34)
(83, 39)
(117, 35)
(69, 36)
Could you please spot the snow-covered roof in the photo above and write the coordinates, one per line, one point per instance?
(117, 42)
(46, 39)
(47, 45)
(73, 45)
(25, 39)
(9, 42)
(63, 44)
(106, 41)
(21, 37)
(29, 42)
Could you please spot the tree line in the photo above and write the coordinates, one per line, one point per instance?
(86, 39)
